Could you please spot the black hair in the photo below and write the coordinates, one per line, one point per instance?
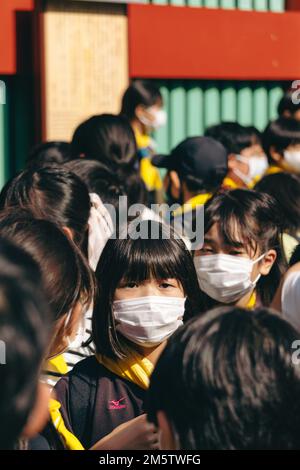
(285, 189)
(295, 258)
(66, 275)
(54, 194)
(136, 260)
(288, 104)
(280, 134)
(140, 92)
(56, 152)
(259, 227)
(108, 184)
(234, 136)
(24, 334)
(226, 380)
(109, 139)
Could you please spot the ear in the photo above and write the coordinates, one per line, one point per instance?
(232, 162)
(287, 113)
(167, 438)
(68, 232)
(267, 262)
(40, 413)
(275, 155)
(139, 110)
(175, 184)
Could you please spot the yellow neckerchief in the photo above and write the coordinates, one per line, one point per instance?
(71, 442)
(134, 367)
(57, 365)
(229, 183)
(192, 203)
(149, 173)
(143, 140)
(273, 169)
(252, 301)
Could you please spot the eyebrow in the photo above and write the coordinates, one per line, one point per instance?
(209, 240)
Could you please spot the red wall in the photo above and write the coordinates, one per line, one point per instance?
(184, 42)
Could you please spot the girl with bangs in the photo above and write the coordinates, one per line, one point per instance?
(240, 262)
(146, 287)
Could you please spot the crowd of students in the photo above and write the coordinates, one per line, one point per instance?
(112, 340)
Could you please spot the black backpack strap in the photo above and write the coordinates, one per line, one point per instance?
(82, 396)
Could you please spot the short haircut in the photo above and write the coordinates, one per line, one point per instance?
(136, 260)
(226, 380)
(24, 331)
(280, 134)
(287, 104)
(234, 136)
(140, 92)
(285, 189)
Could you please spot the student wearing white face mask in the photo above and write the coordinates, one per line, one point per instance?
(240, 262)
(142, 104)
(287, 298)
(247, 162)
(281, 143)
(146, 287)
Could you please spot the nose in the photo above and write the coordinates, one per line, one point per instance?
(149, 289)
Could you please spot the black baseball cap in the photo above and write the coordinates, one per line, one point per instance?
(200, 157)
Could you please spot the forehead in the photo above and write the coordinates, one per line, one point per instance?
(214, 234)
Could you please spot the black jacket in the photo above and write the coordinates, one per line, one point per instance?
(95, 401)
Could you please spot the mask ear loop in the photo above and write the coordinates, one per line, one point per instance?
(245, 178)
(254, 262)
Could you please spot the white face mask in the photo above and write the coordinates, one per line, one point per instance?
(257, 167)
(148, 321)
(290, 299)
(225, 278)
(159, 118)
(293, 159)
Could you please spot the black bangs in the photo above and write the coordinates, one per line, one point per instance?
(157, 254)
(242, 218)
(151, 259)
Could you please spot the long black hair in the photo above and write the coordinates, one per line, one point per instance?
(108, 139)
(251, 218)
(136, 260)
(25, 320)
(66, 275)
(54, 194)
(140, 92)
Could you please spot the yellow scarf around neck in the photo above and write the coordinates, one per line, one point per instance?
(134, 367)
(71, 442)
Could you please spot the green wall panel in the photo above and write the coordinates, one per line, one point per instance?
(260, 5)
(194, 105)
(16, 125)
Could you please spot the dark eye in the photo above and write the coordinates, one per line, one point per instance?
(206, 249)
(128, 285)
(165, 285)
(236, 253)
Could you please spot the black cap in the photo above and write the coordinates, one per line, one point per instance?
(201, 157)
